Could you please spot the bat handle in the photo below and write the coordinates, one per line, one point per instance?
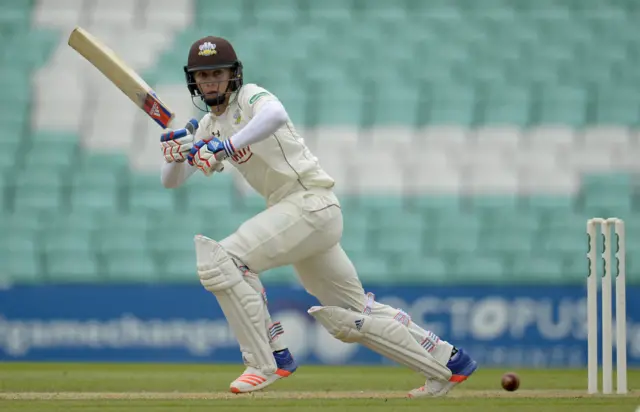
(192, 126)
(189, 129)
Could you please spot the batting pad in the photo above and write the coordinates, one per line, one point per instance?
(242, 306)
(385, 336)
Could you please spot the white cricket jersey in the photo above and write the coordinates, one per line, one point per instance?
(276, 166)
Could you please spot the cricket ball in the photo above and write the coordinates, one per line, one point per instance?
(510, 381)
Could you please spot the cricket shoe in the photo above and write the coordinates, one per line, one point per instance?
(253, 379)
(461, 365)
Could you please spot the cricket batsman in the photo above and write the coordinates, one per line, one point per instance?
(247, 126)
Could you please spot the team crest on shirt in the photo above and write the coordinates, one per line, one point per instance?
(237, 117)
(207, 49)
(242, 156)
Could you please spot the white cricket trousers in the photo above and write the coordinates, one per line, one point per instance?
(304, 230)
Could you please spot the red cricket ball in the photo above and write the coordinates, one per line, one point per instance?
(510, 381)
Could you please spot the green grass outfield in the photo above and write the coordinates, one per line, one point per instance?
(69, 387)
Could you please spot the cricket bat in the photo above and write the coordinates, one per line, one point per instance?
(124, 78)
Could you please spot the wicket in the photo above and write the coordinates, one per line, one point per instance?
(592, 307)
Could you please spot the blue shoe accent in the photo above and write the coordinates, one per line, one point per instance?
(285, 361)
(461, 366)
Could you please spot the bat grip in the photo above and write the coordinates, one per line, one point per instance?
(189, 128)
(192, 126)
(180, 133)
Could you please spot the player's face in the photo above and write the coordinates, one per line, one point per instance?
(212, 82)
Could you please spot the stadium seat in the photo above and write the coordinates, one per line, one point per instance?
(436, 202)
(179, 268)
(576, 269)
(355, 222)
(21, 224)
(96, 179)
(498, 205)
(281, 12)
(516, 242)
(71, 221)
(114, 164)
(400, 233)
(516, 221)
(51, 155)
(8, 159)
(21, 266)
(470, 141)
(603, 206)
(218, 12)
(400, 242)
(476, 269)
(419, 269)
(536, 270)
(40, 41)
(455, 241)
(38, 198)
(331, 11)
(128, 222)
(150, 198)
(94, 199)
(372, 269)
(565, 242)
(549, 204)
(176, 239)
(220, 197)
(67, 240)
(219, 229)
(73, 266)
(130, 266)
(120, 239)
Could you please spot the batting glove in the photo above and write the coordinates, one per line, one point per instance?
(176, 144)
(202, 157)
(221, 149)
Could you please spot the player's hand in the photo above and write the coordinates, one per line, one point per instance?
(221, 149)
(202, 157)
(176, 144)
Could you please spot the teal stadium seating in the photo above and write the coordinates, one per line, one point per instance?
(513, 122)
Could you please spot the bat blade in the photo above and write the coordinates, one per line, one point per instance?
(121, 75)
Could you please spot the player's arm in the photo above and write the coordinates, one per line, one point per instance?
(175, 174)
(266, 115)
(266, 118)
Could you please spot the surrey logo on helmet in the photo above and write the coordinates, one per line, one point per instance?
(207, 49)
